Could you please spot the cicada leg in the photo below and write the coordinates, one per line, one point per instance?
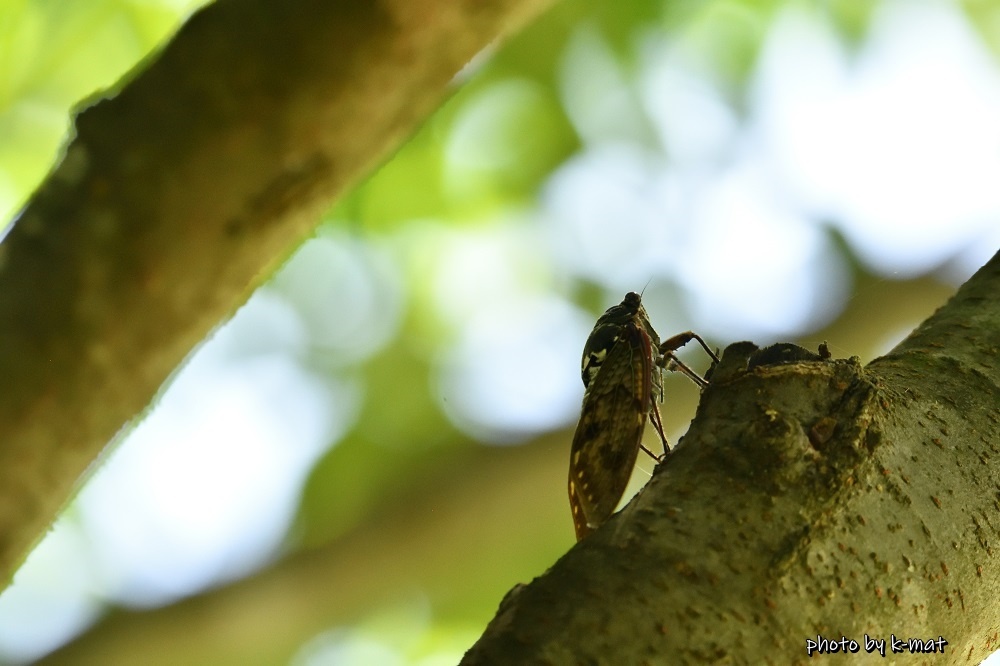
(669, 361)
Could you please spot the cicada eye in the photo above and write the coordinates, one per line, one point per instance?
(600, 342)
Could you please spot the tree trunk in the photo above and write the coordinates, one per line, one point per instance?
(809, 500)
(179, 193)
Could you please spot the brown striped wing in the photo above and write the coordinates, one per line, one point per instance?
(607, 438)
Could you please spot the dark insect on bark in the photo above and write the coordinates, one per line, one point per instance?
(623, 361)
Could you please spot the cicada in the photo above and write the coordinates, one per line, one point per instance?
(622, 368)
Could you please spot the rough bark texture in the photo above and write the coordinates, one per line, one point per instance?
(179, 192)
(811, 498)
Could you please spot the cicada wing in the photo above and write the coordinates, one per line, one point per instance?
(608, 435)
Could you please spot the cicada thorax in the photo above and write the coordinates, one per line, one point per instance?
(610, 328)
(622, 381)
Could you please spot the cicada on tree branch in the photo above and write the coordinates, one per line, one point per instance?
(623, 363)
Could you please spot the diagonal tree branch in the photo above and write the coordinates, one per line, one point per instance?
(809, 498)
(178, 193)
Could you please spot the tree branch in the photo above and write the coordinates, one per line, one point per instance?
(179, 193)
(808, 498)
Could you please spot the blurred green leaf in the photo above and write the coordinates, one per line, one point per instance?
(400, 432)
(52, 56)
(985, 17)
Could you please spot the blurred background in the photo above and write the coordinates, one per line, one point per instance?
(359, 464)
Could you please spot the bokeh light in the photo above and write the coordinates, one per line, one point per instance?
(747, 192)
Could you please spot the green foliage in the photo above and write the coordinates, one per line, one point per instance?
(400, 435)
(985, 16)
(485, 151)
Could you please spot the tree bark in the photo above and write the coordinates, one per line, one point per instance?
(179, 193)
(809, 499)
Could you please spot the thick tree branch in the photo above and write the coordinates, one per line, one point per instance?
(808, 498)
(180, 192)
